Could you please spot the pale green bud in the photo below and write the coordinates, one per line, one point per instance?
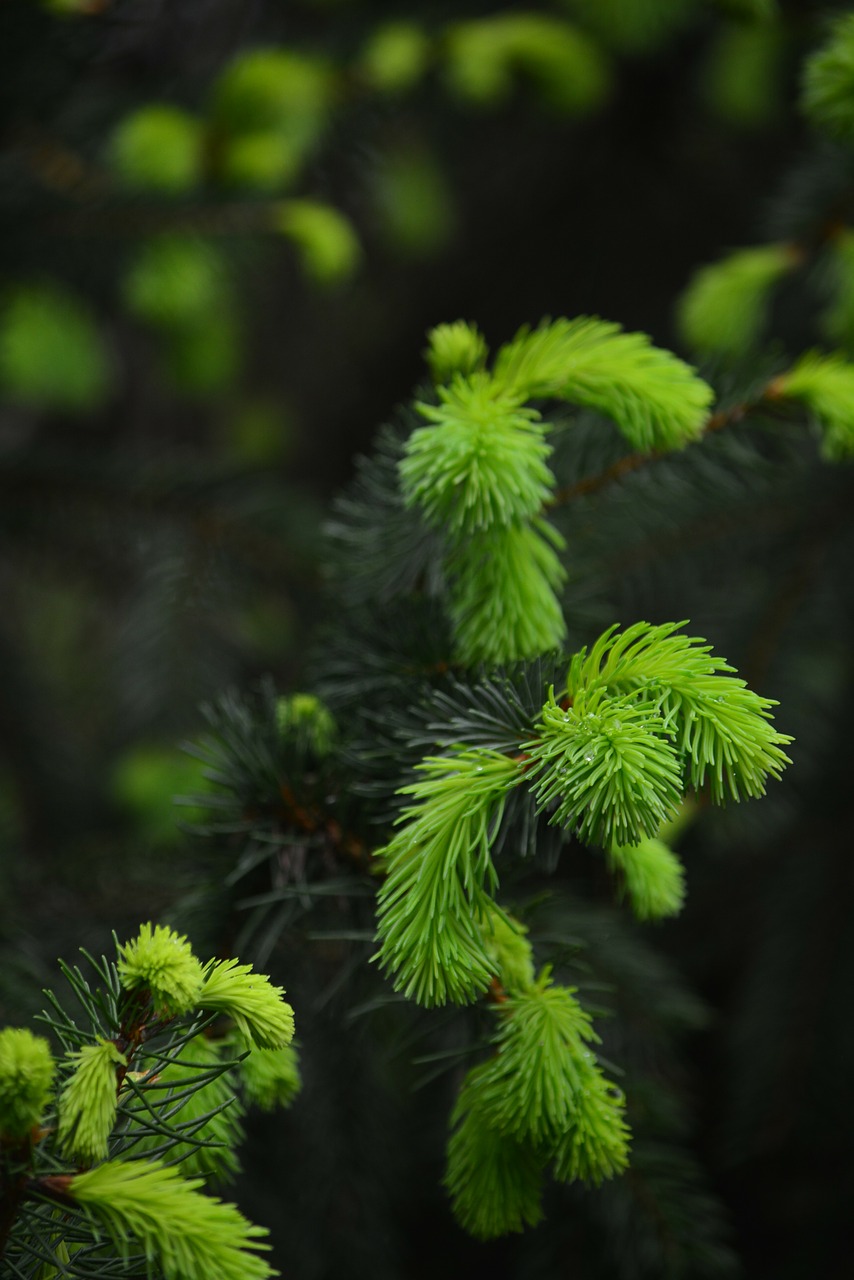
(162, 961)
(87, 1103)
(251, 1000)
(303, 715)
(26, 1072)
(455, 348)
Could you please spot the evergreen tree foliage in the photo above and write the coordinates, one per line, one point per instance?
(146, 1098)
(560, 891)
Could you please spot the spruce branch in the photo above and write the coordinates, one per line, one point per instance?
(269, 1077)
(608, 765)
(724, 307)
(26, 1074)
(88, 1102)
(595, 1145)
(503, 598)
(482, 462)
(456, 348)
(160, 961)
(494, 1182)
(531, 1086)
(825, 384)
(656, 400)
(440, 876)
(196, 1111)
(251, 1000)
(192, 1236)
(653, 877)
(720, 727)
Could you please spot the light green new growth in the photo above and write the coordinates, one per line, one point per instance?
(503, 605)
(509, 950)
(531, 1086)
(653, 877)
(162, 962)
(485, 55)
(250, 1000)
(838, 319)
(720, 728)
(541, 1097)
(26, 1074)
(51, 351)
(827, 95)
(303, 716)
(208, 1112)
(825, 384)
(608, 765)
(724, 307)
(494, 1181)
(455, 348)
(192, 1236)
(656, 400)
(440, 877)
(158, 148)
(175, 281)
(482, 462)
(596, 1143)
(274, 91)
(647, 713)
(88, 1102)
(270, 1077)
(395, 57)
(325, 239)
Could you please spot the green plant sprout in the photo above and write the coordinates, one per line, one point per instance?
(106, 1151)
(445, 757)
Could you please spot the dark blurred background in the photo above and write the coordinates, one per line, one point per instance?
(225, 228)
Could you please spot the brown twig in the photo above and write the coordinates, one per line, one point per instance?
(634, 461)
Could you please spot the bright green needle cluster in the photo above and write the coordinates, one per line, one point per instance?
(495, 1183)
(503, 602)
(653, 877)
(647, 714)
(528, 1089)
(395, 57)
(88, 1102)
(479, 471)
(270, 1077)
(158, 148)
(162, 962)
(724, 307)
(509, 950)
(486, 55)
(26, 1074)
(827, 95)
(541, 1098)
(304, 718)
(825, 384)
(482, 462)
(656, 400)
(192, 1236)
(325, 239)
(440, 878)
(250, 1000)
(720, 730)
(197, 1092)
(607, 766)
(162, 1095)
(455, 348)
(596, 1143)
